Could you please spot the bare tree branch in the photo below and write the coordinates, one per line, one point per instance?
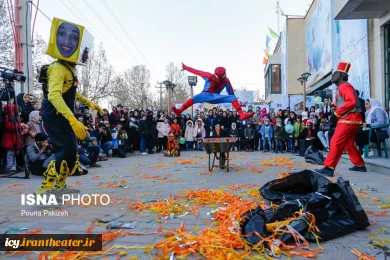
(133, 88)
(97, 77)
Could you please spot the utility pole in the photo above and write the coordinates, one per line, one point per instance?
(160, 92)
(278, 12)
(24, 46)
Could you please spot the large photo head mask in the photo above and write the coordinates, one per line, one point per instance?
(69, 42)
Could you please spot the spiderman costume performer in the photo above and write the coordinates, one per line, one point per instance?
(214, 84)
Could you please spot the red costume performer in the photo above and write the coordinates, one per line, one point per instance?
(349, 121)
(214, 84)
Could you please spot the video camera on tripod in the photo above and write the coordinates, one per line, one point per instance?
(9, 76)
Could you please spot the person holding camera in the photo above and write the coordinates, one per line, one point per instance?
(118, 137)
(39, 154)
(103, 138)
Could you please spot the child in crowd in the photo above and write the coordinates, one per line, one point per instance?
(163, 129)
(33, 128)
(176, 129)
(278, 135)
(199, 133)
(189, 136)
(312, 118)
(233, 132)
(290, 136)
(93, 143)
(267, 133)
(117, 141)
(298, 128)
(305, 117)
(249, 134)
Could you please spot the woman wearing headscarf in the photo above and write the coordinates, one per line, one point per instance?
(133, 134)
(33, 128)
(224, 123)
(23, 100)
(375, 116)
(100, 119)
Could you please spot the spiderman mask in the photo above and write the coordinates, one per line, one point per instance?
(220, 73)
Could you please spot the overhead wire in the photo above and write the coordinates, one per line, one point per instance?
(39, 10)
(96, 32)
(110, 30)
(127, 34)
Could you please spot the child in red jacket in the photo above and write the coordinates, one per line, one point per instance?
(176, 129)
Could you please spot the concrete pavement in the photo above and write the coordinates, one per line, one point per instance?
(154, 177)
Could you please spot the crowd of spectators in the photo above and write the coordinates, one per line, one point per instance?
(137, 131)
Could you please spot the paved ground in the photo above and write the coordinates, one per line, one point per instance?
(135, 173)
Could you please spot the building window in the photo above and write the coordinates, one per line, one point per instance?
(273, 80)
(267, 84)
(386, 30)
(276, 86)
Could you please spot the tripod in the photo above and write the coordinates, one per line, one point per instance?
(5, 95)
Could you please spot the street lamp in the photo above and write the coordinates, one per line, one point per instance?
(192, 81)
(170, 86)
(303, 80)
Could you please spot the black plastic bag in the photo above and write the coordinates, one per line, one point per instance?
(335, 207)
(253, 221)
(300, 185)
(284, 211)
(314, 156)
(349, 201)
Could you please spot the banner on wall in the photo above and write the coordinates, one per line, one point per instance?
(319, 42)
(244, 98)
(281, 103)
(352, 46)
(294, 100)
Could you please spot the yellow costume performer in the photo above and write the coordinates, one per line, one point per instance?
(70, 44)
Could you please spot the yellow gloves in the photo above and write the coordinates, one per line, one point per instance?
(96, 107)
(78, 128)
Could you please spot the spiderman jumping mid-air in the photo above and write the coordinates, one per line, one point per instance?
(213, 86)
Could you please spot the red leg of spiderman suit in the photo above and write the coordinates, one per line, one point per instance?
(214, 85)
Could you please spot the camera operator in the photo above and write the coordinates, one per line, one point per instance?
(39, 154)
(12, 139)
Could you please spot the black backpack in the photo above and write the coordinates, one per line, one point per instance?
(42, 77)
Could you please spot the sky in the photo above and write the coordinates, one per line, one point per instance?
(203, 34)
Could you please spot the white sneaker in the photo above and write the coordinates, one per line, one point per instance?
(13, 169)
(144, 153)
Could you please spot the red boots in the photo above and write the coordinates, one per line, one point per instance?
(243, 115)
(189, 102)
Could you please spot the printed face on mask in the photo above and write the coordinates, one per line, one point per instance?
(68, 36)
